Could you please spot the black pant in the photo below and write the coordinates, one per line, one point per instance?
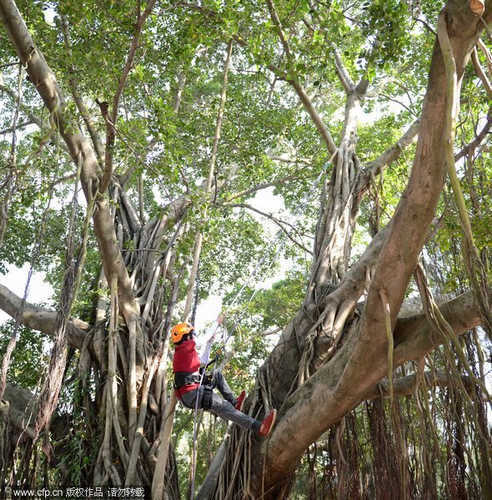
(222, 407)
(220, 382)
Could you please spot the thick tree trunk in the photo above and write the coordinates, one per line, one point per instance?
(340, 204)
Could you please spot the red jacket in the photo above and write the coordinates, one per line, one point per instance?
(186, 359)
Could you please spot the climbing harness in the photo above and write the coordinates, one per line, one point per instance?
(184, 378)
(208, 384)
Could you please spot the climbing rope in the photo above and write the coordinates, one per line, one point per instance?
(195, 427)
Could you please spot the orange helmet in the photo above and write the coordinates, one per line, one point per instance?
(179, 330)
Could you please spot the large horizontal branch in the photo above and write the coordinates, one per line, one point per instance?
(406, 386)
(41, 319)
(316, 401)
(415, 337)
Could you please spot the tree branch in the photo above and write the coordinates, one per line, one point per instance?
(76, 96)
(486, 53)
(305, 161)
(278, 24)
(415, 336)
(471, 146)
(125, 176)
(376, 166)
(17, 127)
(406, 386)
(278, 222)
(264, 185)
(480, 73)
(342, 73)
(111, 120)
(41, 319)
(313, 113)
(305, 100)
(23, 107)
(292, 79)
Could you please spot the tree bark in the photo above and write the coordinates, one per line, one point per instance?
(42, 319)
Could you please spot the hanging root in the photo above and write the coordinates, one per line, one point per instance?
(4, 441)
(473, 263)
(389, 336)
(73, 269)
(338, 435)
(443, 328)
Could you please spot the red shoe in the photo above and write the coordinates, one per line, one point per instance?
(240, 400)
(267, 424)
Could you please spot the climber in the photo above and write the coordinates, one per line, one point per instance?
(188, 366)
